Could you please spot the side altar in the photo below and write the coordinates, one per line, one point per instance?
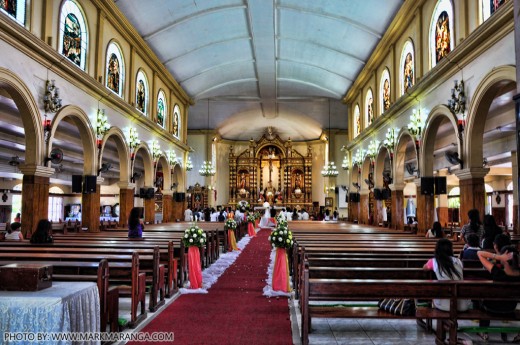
(271, 170)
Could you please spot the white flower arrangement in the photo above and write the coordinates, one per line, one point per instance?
(230, 224)
(281, 237)
(194, 236)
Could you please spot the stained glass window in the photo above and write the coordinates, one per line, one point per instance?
(384, 91)
(14, 8)
(115, 69)
(161, 108)
(357, 121)
(369, 108)
(441, 31)
(489, 7)
(141, 93)
(73, 33)
(176, 121)
(408, 67)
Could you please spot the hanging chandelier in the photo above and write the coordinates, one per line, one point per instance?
(329, 169)
(207, 168)
(189, 164)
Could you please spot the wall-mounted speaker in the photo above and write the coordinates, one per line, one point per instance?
(440, 185)
(142, 193)
(427, 185)
(150, 193)
(90, 184)
(77, 181)
(180, 197)
(386, 194)
(377, 194)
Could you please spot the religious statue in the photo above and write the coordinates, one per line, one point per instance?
(269, 192)
(242, 181)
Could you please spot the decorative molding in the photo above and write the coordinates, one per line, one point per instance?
(470, 173)
(36, 170)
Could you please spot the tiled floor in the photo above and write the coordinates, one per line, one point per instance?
(379, 332)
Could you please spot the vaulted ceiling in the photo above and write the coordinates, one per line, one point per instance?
(249, 64)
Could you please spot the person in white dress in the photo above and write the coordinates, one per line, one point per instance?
(188, 215)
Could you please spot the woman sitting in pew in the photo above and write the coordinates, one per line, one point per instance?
(503, 267)
(41, 235)
(14, 232)
(446, 267)
(435, 231)
(135, 225)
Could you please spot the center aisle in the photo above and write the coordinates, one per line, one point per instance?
(234, 311)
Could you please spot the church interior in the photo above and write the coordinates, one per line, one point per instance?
(383, 116)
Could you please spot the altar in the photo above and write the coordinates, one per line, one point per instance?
(271, 170)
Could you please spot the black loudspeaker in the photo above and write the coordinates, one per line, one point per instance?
(142, 193)
(90, 184)
(77, 181)
(386, 194)
(427, 185)
(440, 185)
(377, 194)
(336, 190)
(150, 193)
(179, 197)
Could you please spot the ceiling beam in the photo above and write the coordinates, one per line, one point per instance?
(214, 67)
(231, 82)
(190, 17)
(298, 81)
(331, 16)
(317, 67)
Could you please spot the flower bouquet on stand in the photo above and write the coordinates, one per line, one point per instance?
(194, 238)
(231, 226)
(281, 239)
(250, 227)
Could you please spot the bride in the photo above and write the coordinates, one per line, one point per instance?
(265, 219)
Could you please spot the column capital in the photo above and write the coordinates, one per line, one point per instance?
(417, 182)
(364, 192)
(125, 185)
(470, 173)
(100, 180)
(167, 192)
(36, 170)
(396, 186)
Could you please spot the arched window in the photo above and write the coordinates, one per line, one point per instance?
(369, 108)
(384, 91)
(441, 31)
(407, 67)
(161, 108)
(141, 93)
(73, 33)
(176, 121)
(489, 7)
(115, 69)
(357, 121)
(14, 8)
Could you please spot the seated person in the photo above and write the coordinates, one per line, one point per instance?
(470, 253)
(135, 225)
(446, 267)
(41, 235)
(295, 215)
(221, 216)
(14, 232)
(435, 231)
(508, 271)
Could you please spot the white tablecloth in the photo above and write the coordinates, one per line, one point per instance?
(64, 307)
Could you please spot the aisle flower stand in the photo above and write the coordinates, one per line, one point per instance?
(281, 239)
(194, 238)
(230, 226)
(250, 227)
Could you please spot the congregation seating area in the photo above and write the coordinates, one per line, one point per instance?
(147, 270)
(343, 271)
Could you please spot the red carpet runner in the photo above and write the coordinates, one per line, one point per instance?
(234, 311)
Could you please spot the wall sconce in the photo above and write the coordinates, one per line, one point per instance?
(372, 150)
(156, 150)
(51, 99)
(102, 127)
(172, 158)
(345, 164)
(457, 103)
(189, 164)
(133, 141)
(389, 142)
(416, 126)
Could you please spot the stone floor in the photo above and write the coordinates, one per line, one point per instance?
(379, 331)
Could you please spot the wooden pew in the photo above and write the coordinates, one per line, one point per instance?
(358, 289)
(123, 269)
